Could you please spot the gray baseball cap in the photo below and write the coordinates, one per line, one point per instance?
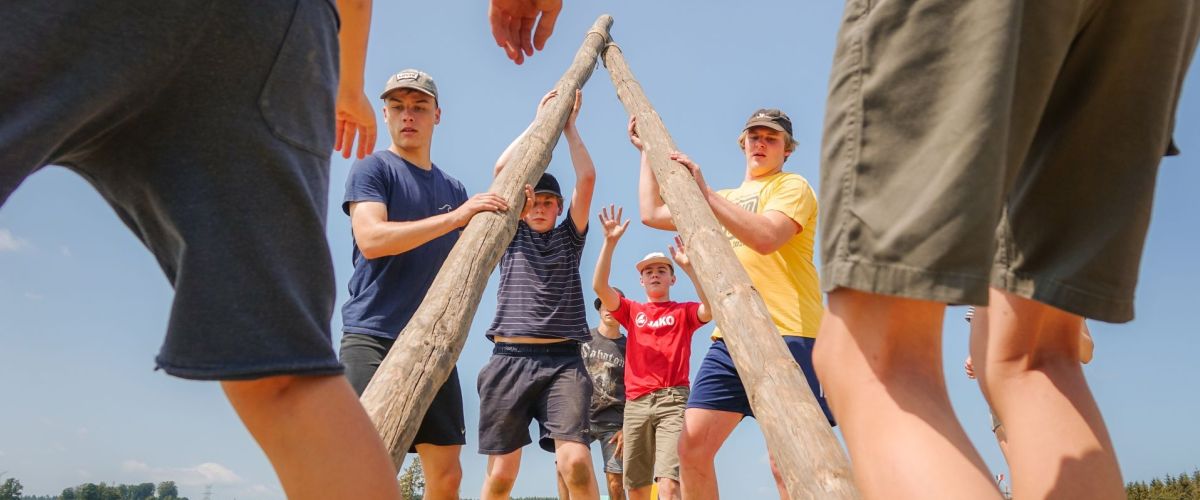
(410, 79)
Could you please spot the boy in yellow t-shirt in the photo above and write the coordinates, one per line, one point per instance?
(770, 220)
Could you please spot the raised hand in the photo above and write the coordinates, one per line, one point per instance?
(679, 253)
(610, 221)
(513, 22)
(693, 168)
(633, 133)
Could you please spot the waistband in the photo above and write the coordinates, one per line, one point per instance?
(569, 348)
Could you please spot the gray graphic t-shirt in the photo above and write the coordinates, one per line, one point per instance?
(605, 360)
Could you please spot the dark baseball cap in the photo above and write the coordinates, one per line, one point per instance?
(410, 79)
(548, 185)
(771, 118)
(597, 302)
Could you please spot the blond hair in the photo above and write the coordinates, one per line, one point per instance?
(789, 143)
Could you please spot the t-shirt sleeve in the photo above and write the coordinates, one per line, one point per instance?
(623, 313)
(793, 197)
(692, 310)
(574, 236)
(367, 182)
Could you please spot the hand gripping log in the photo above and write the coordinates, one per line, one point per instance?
(799, 438)
(426, 350)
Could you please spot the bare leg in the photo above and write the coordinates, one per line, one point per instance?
(616, 487)
(563, 492)
(500, 476)
(443, 473)
(668, 489)
(575, 465)
(317, 436)
(704, 431)
(1058, 446)
(879, 359)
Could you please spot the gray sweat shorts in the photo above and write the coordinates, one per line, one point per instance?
(207, 126)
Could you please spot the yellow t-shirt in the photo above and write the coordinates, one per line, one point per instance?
(786, 278)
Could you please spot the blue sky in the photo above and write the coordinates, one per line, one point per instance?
(83, 306)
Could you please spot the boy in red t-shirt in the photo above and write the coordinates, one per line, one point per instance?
(656, 360)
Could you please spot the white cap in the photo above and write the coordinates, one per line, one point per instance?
(654, 258)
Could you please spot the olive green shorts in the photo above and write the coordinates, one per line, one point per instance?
(999, 143)
(652, 426)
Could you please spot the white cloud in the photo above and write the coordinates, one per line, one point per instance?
(10, 243)
(199, 475)
(83, 473)
(65, 251)
(34, 296)
(82, 432)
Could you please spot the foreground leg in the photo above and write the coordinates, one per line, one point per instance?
(575, 465)
(317, 436)
(500, 476)
(616, 491)
(1058, 445)
(704, 431)
(443, 472)
(879, 359)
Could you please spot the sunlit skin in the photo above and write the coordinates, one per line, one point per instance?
(657, 279)
(766, 150)
(410, 116)
(543, 212)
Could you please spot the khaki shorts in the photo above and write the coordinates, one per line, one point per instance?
(999, 143)
(653, 423)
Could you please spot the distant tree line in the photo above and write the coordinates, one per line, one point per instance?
(11, 489)
(1181, 487)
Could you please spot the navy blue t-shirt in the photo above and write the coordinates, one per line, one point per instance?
(540, 292)
(385, 292)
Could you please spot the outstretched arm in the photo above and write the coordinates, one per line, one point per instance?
(679, 253)
(585, 170)
(610, 220)
(378, 237)
(353, 113)
(654, 211)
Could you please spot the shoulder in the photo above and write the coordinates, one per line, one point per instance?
(788, 181)
(450, 180)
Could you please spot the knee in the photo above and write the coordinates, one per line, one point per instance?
(616, 490)
(445, 479)
(694, 453)
(575, 468)
(500, 480)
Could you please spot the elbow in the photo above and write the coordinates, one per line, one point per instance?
(586, 178)
(762, 246)
(370, 251)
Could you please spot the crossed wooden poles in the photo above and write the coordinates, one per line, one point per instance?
(797, 434)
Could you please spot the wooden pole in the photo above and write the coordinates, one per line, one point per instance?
(798, 435)
(426, 350)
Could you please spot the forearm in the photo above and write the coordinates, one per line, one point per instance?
(753, 230)
(388, 238)
(352, 43)
(502, 161)
(608, 296)
(691, 273)
(654, 211)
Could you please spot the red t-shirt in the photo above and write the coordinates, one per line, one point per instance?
(659, 344)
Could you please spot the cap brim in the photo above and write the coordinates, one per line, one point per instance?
(657, 260)
(765, 123)
(413, 87)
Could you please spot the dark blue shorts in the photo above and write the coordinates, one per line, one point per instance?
(207, 126)
(717, 385)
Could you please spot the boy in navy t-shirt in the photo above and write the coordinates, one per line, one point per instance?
(536, 371)
(406, 214)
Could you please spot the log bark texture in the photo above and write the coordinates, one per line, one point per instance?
(798, 436)
(427, 349)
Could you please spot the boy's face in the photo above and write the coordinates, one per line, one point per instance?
(657, 279)
(410, 116)
(545, 211)
(607, 318)
(765, 150)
